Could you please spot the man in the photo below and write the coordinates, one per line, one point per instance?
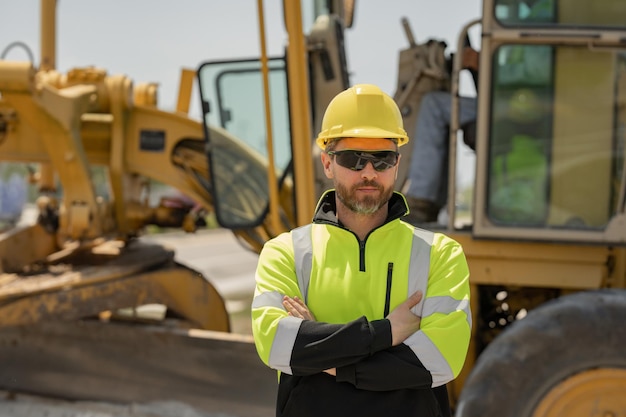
(362, 313)
(428, 173)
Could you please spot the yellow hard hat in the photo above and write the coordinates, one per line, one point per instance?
(362, 111)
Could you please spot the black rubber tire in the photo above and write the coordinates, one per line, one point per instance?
(556, 340)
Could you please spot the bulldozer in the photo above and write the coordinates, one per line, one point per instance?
(544, 235)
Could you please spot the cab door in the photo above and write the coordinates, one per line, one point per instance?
(551, 129)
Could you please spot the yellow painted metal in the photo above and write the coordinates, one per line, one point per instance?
(455, 124)
(17, 77)
(96, 133)
(617, 279)
(48, 34)
(595, 392)
(48, 62)
(175, 127)
(52, 114)
(46, 178)
(23, 246)
(274, 218)
(111, 276)
(119, 88)
(301, 129)
(145, 94)
(184, 90)
(192, 296)
(535, 264)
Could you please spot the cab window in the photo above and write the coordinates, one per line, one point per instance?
(587, 13)
(557, 136)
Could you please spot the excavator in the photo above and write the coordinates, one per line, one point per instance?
(544, 235)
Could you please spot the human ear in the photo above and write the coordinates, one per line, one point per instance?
(326, 161)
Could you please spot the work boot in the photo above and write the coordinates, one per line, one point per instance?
(421, 211)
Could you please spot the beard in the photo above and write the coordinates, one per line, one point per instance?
(364, 205)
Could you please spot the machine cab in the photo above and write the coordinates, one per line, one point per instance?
(552, 118)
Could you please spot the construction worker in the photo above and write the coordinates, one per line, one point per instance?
(360, 312)
(427, 192)
(428, 174)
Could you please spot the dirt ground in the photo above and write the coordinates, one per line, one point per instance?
(32, 406)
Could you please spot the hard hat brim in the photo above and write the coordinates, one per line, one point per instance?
(370, 133)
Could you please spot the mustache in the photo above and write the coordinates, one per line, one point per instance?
(366, 183)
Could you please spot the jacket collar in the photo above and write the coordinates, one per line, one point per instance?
(326, 210)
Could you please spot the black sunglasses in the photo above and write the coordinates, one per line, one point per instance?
(357, 160)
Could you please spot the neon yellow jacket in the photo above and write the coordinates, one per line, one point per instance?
(350, 286)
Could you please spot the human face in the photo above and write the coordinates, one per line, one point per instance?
(367, 190)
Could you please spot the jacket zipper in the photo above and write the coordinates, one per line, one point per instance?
(388, 294)
(361, 255)
(389, 275)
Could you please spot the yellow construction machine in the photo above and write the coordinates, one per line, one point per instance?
(544, 238)
(78, 289)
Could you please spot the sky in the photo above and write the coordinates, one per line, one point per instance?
(151, 40)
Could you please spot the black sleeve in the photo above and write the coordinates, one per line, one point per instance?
(391, 369)
(320, 346)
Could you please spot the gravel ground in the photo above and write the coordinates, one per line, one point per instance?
(33, 406)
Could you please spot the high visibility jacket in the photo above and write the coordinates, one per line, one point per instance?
(350, 286)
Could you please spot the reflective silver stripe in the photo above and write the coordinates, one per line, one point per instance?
(419, 268)
(287, 330)
(280, 355)
(420, 344)
(447, 305)
(428, 353)
(303, 257)
(269, 299)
